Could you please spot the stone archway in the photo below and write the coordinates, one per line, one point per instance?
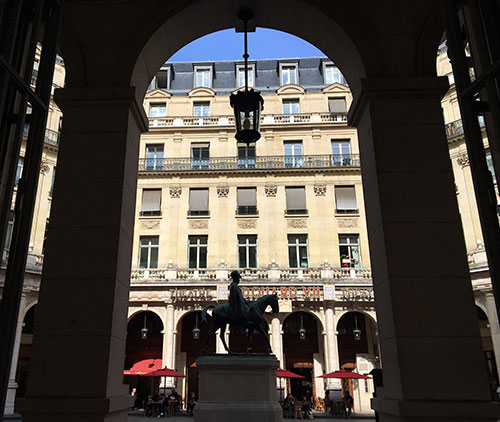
(398, 114)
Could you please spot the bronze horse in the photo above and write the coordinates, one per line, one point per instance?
(220, 317)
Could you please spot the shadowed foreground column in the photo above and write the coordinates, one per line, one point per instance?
(433, 363)
(79, 343)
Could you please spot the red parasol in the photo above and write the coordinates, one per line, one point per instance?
(343, 374)
(143, 367)
(283, 373)
(165, 372)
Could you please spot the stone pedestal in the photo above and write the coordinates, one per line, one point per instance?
(237, 388)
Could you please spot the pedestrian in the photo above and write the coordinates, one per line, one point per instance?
(191, 403)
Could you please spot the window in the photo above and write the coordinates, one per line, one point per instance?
(157, 109)
(341, 152)
(197, 251)
(200, 156)
(337, 105)
(203, 77)
(297, 251)
(295, 200)
(10, 227)
(288, 74)
(151, 202)
(247, 251)
(291, 106)
(247, 201)
(246, 156)
(332, 75)
(198, 202)
(148, 252)
(489, 162)
(240, 76)
(293, 154)
(201, 109)
(51, 191)
(349, 251)
(19, 170)
(345, 197)
(154, 157)
(161, 80)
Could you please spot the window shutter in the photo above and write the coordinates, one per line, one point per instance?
(296, 198)
(345, 197)
(151, 199)
(198, 200)
(162, 78)
(247, 197)
(337, 105)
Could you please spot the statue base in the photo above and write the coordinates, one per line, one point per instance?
(237, 388)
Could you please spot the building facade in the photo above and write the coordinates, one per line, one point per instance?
(287, 212)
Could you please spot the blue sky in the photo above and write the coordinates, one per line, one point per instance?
(262, 44)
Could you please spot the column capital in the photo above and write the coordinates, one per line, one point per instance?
(417, 87)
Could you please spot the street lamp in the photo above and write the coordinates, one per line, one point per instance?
(144, 330)
(302, 330)
(196, 330)
(356, 331)
(249, 103)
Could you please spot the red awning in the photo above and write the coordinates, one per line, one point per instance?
(165, 372)
(341, 373)
(283, 373)
(143, 367)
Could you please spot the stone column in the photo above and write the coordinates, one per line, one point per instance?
(12, 387)
(494, 327)
(425, 307)
(84, 295)
(168, 344)
(332, 350)
(277, 340)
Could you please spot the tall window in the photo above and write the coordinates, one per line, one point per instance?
(157, 109)
(51, 191)
(246, 156)
(288, 74)
(247, 251)
(151, 202)
(247, 201)
(295, 200)
(297, 251)
(491, 168)
(198, 202)
(19, 170)
(291, 106)
(202, 77)
(341, 152)
(201, 109)
(293, 154)
(10, 227)
(154, 157)
(349, 250)
(200, 156)
(333, 75)
(197, 251)
(337, 105)
(345, 197)
(241, 76)
(148, 252)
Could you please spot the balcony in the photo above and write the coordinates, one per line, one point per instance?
(51, 137)
(267, 119)
(277, 162)
(297, 212)
(456, 128)
(155, 213)
(247, 210)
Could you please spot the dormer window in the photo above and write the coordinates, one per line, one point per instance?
(289, 73)
(161, 79)
(203, 76)
(332, 74)
(240, 76)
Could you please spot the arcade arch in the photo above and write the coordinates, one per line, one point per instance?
(139, 347)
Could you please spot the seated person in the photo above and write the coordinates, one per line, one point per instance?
(148, 405)
(163, 404)
(175, 399)
(191, 403)
(288, 405)
(306, 406)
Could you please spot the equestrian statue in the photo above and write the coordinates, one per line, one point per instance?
(241, 312)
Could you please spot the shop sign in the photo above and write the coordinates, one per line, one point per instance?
(191, 294)
(283, 292)
(222, 292)
(355, 294)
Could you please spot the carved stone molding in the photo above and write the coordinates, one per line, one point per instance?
(271, 190)
(198, 224)
(222, 191)
(463, 160)
(150, 224)
(297, 224)
(247, 224)
(348, 222)
(175, 191)
(44, 167)
(320, 189)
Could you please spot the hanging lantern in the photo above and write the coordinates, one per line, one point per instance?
(249, 103)
(356, 332)
(144, 330)
(196, 330)
(302, 330)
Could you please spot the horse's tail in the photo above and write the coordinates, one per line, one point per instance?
(204, 312)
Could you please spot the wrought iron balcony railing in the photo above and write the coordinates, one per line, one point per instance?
(256, 163)
(247, 210)
(456, 128)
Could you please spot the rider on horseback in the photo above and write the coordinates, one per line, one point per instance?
(239, 308)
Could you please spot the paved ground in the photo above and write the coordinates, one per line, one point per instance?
(136, 417)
